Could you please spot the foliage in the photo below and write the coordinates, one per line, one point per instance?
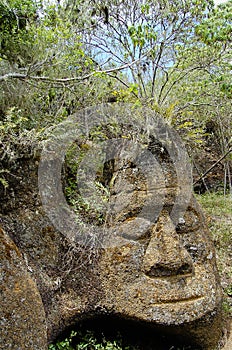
(216, 29)
(59, 56)
(13, 123)
(203, 98)
(47, 48)
(146, 34)
(218, 210)
(16, 17)
(91, 208)
(88, 340)
(3, 181)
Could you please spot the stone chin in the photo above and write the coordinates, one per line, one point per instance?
(171, 311)
(141, 304)
(169, 300)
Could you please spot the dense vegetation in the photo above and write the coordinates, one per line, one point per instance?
(57, 57)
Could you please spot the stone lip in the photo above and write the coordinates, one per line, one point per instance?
(179, 300)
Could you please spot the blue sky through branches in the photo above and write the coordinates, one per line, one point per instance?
(217, 2)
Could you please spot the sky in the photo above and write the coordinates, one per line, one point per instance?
(217, 2)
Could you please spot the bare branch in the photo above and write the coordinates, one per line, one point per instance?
(213, 166)
(64, 80)
(156, 67)
(123, 83)
(181, 77)
(194, 104)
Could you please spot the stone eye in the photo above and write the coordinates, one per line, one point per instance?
(189, 222)
(181, 221)
(197, 251)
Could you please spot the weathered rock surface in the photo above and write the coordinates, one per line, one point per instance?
(227, 345)
(162, 274)
(64, 272)
(22, 320)
(154, 273)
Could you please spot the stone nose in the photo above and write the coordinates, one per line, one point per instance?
(165, 256)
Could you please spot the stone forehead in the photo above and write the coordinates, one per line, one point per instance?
(132, 190)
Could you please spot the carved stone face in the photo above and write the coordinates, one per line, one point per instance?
(156, 271)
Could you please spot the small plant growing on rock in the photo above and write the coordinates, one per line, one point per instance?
(88, 341)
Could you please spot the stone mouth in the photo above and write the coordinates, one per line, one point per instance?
(180, 300)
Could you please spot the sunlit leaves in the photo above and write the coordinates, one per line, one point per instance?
(15, 36)
(218, 27)
(140, 34)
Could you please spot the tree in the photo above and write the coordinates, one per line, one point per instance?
(146, 36)
(204, 106)
(164, 53)
(15, 38)
(41, 61)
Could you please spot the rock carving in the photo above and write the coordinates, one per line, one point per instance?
(157, 268)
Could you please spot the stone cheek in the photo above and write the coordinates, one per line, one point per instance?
(162, 300)
(166, 276)
(23, 322)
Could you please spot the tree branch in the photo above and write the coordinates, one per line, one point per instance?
(213, 166)
(64, 80)
(156, 68)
